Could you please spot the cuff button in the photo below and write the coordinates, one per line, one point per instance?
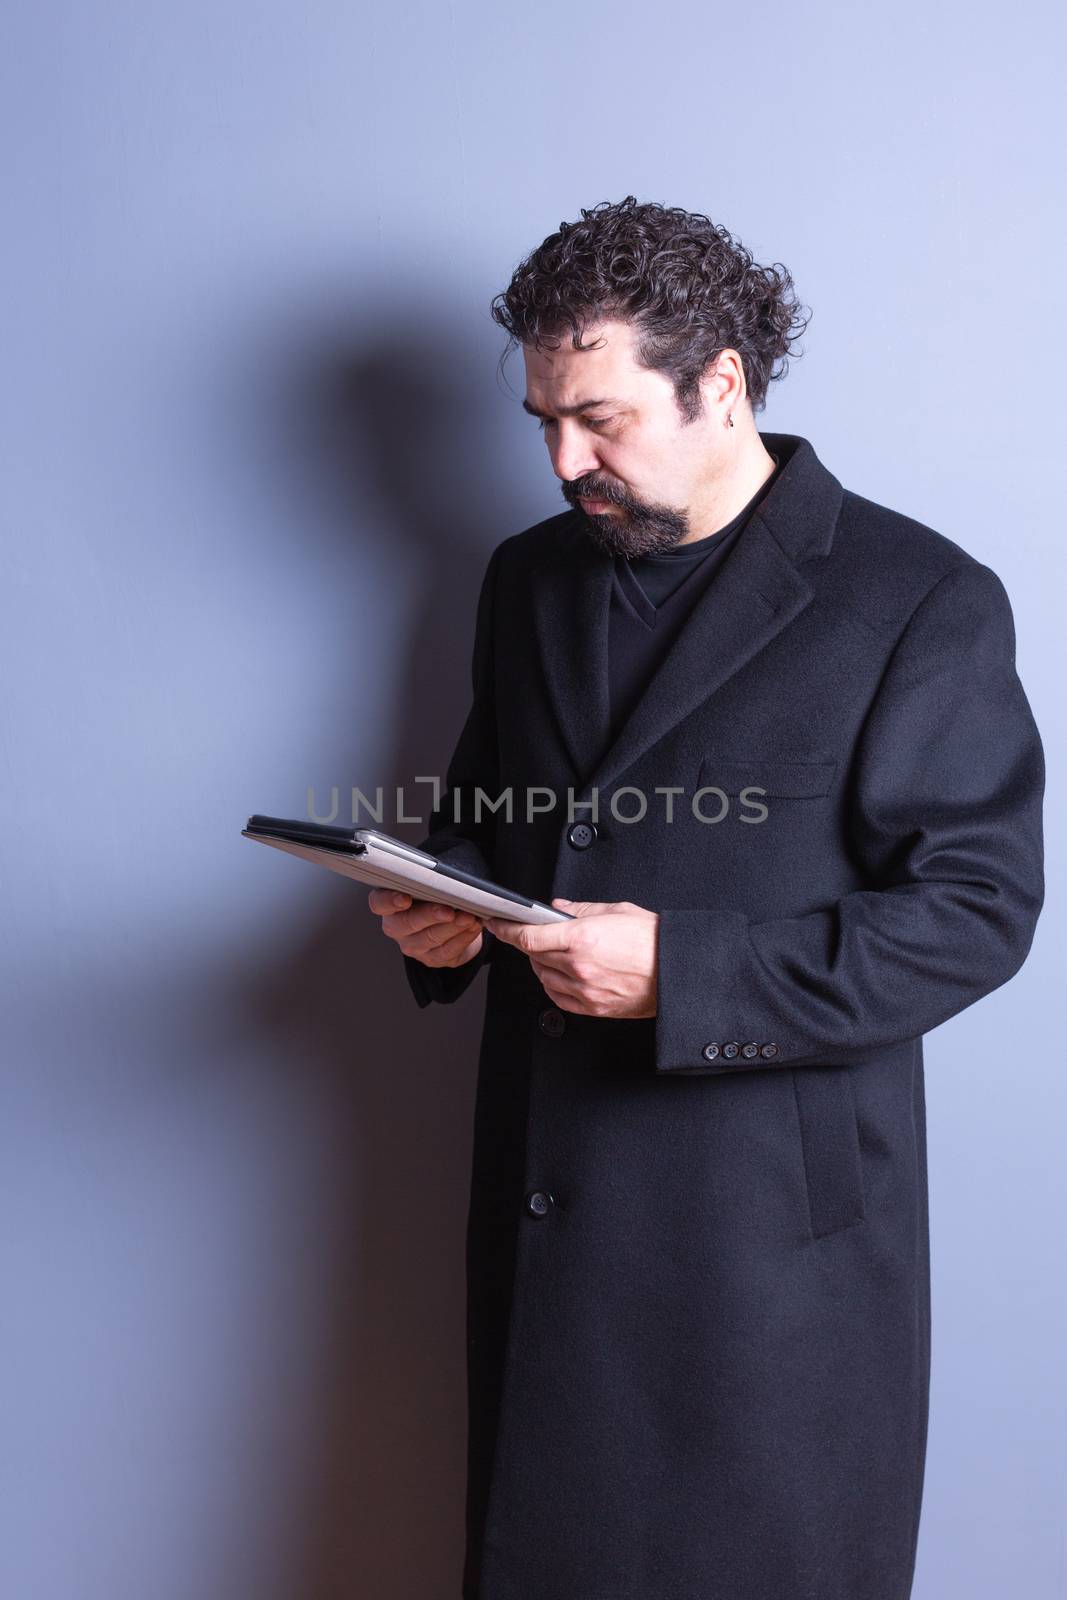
(769, 1051)
(750, 1050)
(732, 1049)
(710, 1051)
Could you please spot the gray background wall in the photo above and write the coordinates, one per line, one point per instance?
(252, 433)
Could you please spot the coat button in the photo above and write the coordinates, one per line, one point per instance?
(732, 1049)
(769, 1051)
(538, 1202)
(552, 1022)
(750, 1050)
(710, 1051)
(581, 834)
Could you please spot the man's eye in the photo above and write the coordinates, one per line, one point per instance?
(594, 422)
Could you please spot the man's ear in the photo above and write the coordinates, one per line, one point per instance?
(723, 386)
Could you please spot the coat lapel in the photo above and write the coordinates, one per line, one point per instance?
(758, 592)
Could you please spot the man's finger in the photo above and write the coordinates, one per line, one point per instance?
(440, 929)
(586, 908)
(459, 943)
(561, 961)
(384, 901)
(530, 936)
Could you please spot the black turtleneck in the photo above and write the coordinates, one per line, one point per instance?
(651, 598)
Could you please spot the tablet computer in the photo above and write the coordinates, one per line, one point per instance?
(373, 857)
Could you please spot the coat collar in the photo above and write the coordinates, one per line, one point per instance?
(758, 592)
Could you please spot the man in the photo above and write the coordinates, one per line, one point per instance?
(698, 1260)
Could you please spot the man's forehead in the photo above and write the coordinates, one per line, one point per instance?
(571, 380)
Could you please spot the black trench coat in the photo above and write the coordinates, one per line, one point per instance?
(697, 1253)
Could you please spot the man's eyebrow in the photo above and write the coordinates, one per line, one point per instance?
(569, 411)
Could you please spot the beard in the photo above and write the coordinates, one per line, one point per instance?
(632, 528)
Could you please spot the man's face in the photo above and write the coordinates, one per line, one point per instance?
(627, 463)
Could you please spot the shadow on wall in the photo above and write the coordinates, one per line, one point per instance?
(384, 1502)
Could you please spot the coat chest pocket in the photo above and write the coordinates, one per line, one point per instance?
(829, 1137)
(774, 776)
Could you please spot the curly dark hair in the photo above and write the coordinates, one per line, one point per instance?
(688, 286)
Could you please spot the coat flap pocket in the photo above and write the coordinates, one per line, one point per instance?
(792, 780)
(829, 1135)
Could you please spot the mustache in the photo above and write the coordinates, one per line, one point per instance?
(588, 491)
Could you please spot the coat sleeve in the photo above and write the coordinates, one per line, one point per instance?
(467, 842)
(946, 822)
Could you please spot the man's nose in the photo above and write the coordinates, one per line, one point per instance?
(573, 458)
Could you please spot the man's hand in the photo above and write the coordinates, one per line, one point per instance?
(601, 965)
(436, 935)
